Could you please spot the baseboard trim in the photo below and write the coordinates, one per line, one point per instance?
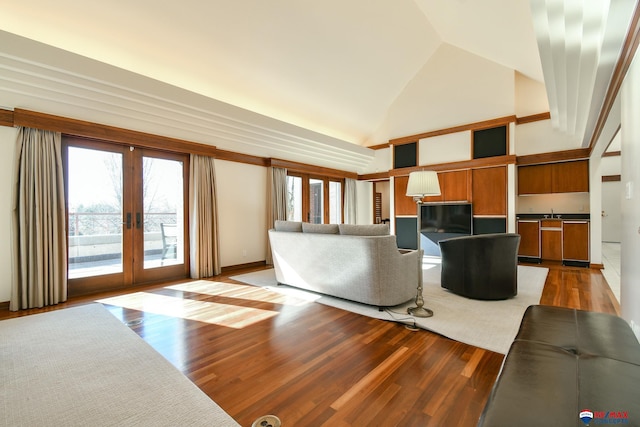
(597, 266)
(4, 305)
(231, 268)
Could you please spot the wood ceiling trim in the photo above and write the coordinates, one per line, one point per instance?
(310, 169)
(555, 156)
(6, 118)
(625, 59)
(466, 164)
(470, 126)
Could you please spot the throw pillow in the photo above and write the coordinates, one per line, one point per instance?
(320, 228)
(294, 226)
(364, 230)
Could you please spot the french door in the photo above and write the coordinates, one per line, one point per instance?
(127, 221)
(314, 199)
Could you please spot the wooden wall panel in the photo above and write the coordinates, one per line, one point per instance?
(489, 191)
(404, 205)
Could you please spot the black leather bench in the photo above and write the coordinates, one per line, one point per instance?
(563, 362)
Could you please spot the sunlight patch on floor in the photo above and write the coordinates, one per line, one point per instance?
(232, 316)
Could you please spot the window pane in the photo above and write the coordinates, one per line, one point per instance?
(294, 198)
(335, 202)
(316, 199)
(95, 212)
(163, 212)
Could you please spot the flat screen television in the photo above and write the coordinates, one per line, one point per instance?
(446, 219)
(443, 221)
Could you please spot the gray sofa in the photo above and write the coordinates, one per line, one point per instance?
(358, 263)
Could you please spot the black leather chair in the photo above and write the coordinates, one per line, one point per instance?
(481, 267)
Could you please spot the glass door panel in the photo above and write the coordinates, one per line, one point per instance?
(316, 201)
(95, 212)
(163, 207)
(294, 198)
(335, 202)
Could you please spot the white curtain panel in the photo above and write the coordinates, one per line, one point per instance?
(38, 224)
(350, 201)
(203, 212)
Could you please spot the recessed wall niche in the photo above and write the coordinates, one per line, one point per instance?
(490, 142)
(405, 155)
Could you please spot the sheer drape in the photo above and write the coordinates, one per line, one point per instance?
(204, 236)
(350, 201)
(38, 223)
(277, 200)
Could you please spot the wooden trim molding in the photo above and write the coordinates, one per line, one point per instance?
(622, 66)
(380, 176)
(6, 118)
(485, 162)
(533, 118)
(81, 128)
(471, 126)
(555, 156)
(380, 146)
(241, 158)
(231, 268)
(310, 169)
(108, 133)
(611, 153)
(611, 178)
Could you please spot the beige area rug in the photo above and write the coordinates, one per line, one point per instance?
(491, 325)
(82, 367)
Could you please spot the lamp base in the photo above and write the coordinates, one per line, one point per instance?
(420, 312)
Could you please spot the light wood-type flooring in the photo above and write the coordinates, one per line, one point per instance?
(256, 352)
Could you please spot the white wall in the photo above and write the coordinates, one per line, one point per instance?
(7, 153)
(540, 137)
(452, 147)
(364, 206)
(470, 89)
(242, 212)
(611, 195)
(630, 205)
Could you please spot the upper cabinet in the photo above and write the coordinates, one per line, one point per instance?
(564, 177)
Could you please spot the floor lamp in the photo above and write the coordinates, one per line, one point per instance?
(421, 184)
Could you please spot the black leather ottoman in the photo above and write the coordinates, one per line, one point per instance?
(564, 361)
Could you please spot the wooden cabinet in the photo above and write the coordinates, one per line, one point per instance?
(551, 239)
(563, 177)
(575, 240)
(489, 191)
(534, 179)
(529, 231)
(570, 177)
(454, 187)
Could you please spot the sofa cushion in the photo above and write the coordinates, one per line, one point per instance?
(288, 226)
(364, 230)
(320, 228)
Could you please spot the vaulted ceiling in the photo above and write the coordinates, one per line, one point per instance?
(266, 77)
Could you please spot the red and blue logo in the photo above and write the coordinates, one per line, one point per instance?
(604, 417)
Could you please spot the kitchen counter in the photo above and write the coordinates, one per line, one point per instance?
(570, 216)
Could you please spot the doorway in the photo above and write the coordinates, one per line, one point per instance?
(126, 209)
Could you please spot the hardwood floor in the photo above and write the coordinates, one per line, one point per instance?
(256, 352)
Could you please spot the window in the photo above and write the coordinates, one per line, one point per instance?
(314, 199)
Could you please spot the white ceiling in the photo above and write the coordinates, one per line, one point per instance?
(324, 72)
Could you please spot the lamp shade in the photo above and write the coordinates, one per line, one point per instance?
(423, 183)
